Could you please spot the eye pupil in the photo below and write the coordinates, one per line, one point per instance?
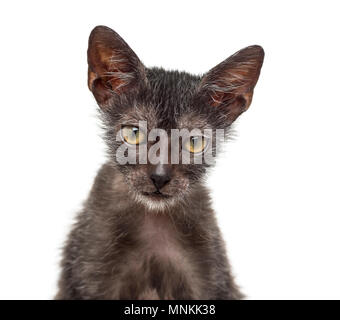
(135, 132)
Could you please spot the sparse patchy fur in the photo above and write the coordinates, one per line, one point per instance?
(124, 244)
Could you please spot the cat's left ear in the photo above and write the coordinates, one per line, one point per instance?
(114, 69)
(229, 86)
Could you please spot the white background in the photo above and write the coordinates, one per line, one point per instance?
(276, 190)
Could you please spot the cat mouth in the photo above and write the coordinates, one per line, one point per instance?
(156, 195)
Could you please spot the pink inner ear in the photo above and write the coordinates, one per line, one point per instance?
(231, 83)
(112, 68)
(219, 97)
(231, 104)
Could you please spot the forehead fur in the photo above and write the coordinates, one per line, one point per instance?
(169, 102)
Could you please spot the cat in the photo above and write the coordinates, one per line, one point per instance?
(147, 231)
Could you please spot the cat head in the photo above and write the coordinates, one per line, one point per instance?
(143, 107)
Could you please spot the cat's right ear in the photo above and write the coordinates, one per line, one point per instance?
(114, 69)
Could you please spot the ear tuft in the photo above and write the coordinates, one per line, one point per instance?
(113, 67)
(230, 84)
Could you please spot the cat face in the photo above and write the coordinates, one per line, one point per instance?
(165, 121)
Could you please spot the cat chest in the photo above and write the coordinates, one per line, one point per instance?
(159, 267)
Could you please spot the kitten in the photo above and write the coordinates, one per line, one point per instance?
(147, 231)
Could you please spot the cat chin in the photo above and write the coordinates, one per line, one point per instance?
(155, 204)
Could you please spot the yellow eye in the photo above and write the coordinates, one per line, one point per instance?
(132, 135)
(196, 144)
